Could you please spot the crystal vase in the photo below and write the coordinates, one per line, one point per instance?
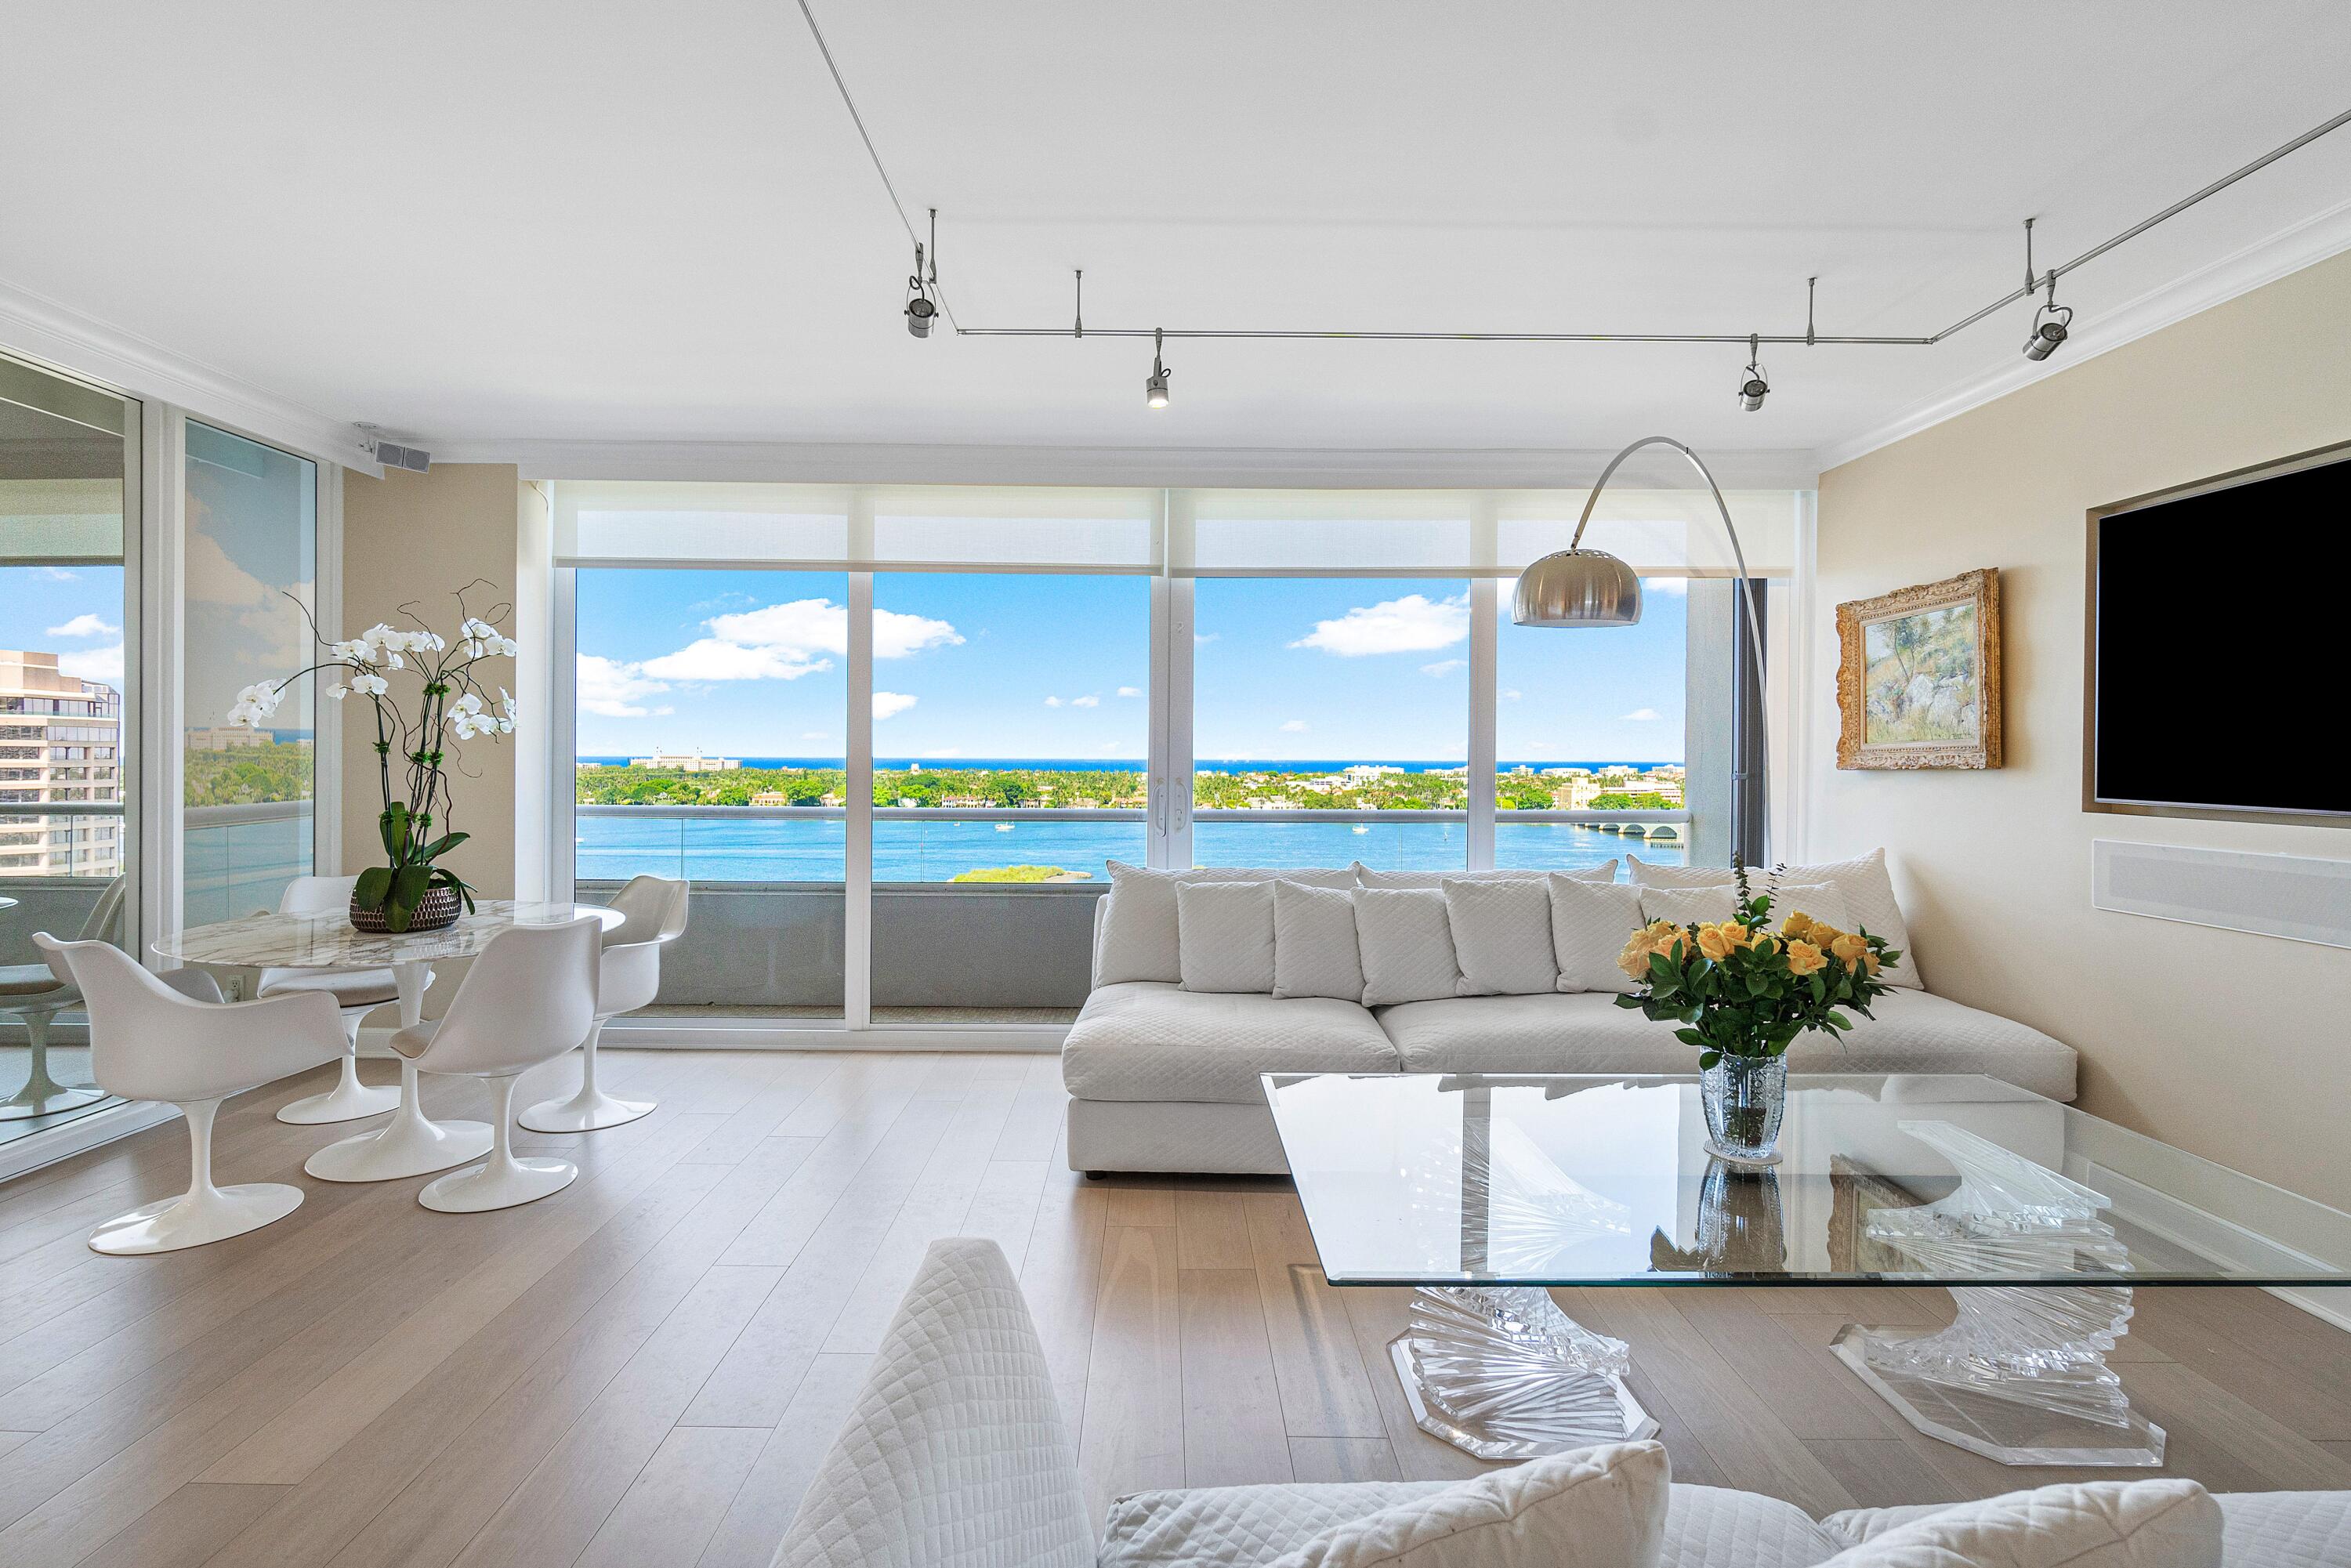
(1745, 1097)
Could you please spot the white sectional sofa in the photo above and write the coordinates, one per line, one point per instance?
(956, 1456)
(1163, 1074)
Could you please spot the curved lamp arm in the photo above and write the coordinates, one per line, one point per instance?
(1746, 589)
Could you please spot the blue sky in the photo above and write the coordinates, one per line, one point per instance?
(75, 613)
(968, 664)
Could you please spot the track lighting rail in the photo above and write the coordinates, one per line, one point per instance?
(1807, 337)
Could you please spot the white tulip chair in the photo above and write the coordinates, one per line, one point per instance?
(36, 993)
(652, 915)
(528, 998)
(172, 1039)
(357, 992)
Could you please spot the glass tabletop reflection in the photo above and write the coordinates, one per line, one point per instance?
(1430, 1179)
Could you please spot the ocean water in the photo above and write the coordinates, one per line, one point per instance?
(708, 849)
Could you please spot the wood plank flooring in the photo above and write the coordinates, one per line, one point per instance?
(646, 1368)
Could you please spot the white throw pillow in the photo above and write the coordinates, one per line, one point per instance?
(1315, 950)
(1501, 935)
(1590, 924)
(1868, 892)
(2101, 1524)
(1367, 877)
(1407, 945)
(1138, 939)
(1689, 906)
(1594, 1508)
(1706, 905)
(1223, 935)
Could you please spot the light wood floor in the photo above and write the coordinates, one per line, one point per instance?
(645, 1369)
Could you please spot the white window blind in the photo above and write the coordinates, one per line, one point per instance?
(1186, 533)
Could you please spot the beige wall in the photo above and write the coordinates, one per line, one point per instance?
(2229, 1044)
(418, 538)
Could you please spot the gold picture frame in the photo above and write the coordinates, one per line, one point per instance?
(1918, 680)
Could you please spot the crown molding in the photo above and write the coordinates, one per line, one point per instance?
(39, 328)
(1158, 467)
(2289, 250)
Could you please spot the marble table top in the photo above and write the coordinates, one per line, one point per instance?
(329, 941)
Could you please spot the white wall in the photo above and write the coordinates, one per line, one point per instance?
(2227, 1044)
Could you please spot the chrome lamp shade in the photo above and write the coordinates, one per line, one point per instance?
(1577, 588)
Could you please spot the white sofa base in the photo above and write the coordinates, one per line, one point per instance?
(1189, 1137)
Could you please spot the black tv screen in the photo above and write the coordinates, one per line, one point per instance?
(2221, 647)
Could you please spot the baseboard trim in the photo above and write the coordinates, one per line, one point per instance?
(63, 1142)
(2332, 1306)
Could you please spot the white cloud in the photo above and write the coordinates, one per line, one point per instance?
(1294, 727)
(616, 688)
(1642, 716)
(1512, 694)
(60, 574)
(1052, 702)
(1665, 585)
(718, 659)
(1129, 691)
(785, 641)
(83, 625)
(888, 704)
(814, 734)
(94, 664)
(1413, 625)
(945, 751)
(1088, 701)
(1199, 637)
(1445, 666)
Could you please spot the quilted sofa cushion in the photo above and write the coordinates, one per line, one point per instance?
(1913, 1032)
(1869, 897)
(1239, 1527)
(1713, 1527)
(2162, 1523)
(1602, 1506)
(1144, 1041)
(2258, 1529)
(1135, 932)
(954, 1454)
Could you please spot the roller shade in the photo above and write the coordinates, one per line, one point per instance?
(1662, 532)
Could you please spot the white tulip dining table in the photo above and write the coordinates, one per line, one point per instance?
(410, 1143)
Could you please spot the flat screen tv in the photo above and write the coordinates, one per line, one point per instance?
(2220, 645)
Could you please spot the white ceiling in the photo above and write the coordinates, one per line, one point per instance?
(484, 224)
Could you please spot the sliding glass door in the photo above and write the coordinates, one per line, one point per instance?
(68, 463)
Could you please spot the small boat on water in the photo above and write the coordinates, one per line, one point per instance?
(1005, 827)
(1363, 826)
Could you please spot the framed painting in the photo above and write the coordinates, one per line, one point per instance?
(1918, 680)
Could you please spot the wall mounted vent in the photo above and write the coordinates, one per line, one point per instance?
(2295, 897)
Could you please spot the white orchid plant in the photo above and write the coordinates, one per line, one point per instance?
(453, 699)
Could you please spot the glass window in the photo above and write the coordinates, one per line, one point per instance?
(1592, 719)
(1011, 722)
(1330, 694)
(252, 545)
(66, 854)
(710, 744)
(997, 695)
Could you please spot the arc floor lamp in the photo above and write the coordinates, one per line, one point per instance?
(1583, 587)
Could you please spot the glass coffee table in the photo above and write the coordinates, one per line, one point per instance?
(1481, 1190)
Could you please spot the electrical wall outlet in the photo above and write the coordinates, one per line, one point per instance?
(234, 990)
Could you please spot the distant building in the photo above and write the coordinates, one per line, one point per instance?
(695, 763)
(227, 738)
(770, 798)
(1364, 772)
(60, 741)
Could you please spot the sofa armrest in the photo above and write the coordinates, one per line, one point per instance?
(954, 1454)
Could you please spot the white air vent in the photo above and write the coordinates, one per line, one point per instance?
(2294, 897)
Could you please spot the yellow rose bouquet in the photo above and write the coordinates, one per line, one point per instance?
(1741, 991)
(1741, 987)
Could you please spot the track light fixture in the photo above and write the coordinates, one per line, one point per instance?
(922, 310)
(1754, 385)
(2052, 321)
(1155, 386)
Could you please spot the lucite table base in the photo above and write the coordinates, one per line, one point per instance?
(2020, 1377)
(1501, 1373)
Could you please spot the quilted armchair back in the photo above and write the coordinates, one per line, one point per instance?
(955, 1455)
